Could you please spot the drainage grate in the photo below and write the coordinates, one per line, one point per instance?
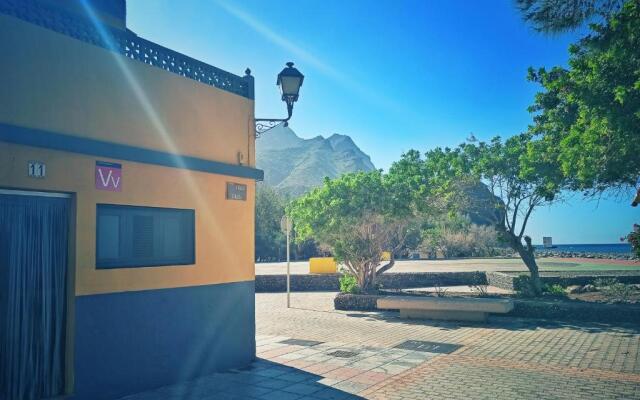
(300, 342)
(429, 347)
(343, 354)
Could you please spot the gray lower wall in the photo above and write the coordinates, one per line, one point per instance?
(135, 341)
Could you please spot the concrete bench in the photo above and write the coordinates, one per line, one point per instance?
(446, 308)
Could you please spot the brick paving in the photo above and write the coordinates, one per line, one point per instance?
(504, 359)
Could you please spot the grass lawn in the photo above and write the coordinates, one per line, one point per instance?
(584, 266)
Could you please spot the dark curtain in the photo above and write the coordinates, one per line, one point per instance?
(33, 276)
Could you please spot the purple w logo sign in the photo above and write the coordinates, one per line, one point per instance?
(108, 176)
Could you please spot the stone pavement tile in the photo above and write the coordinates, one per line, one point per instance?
(247, 391)
(328, 381)
(370, 378)
(301, 364)
(390, 368)
(320, 368)
(279, 351)
(280, 395)
(292, 356)
(351, 387)
(270, 372)
(343, 373)
(297, 376)
(333, 394)
(365, 365)
(304, 388)
(274, 383)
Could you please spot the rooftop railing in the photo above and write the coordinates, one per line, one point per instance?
(126, 43)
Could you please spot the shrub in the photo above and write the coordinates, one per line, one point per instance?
(479, 284)
(349, 284)
(603, 283)
(619, 292)
(634, 240)
(555, 290)
(439, 290)
(524, 286)
(467, 240)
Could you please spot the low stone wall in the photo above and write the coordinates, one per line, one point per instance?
(355, 302)
(541, 253)
(557, 310)
(389, 280)
(567, 310)
(510, 280)
(299, 283)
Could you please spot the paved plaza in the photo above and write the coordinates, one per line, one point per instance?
(312, 351)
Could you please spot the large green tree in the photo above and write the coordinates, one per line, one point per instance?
(518, 181)
(588, 115)
(553, 16)
(269, 239)
(358, 216)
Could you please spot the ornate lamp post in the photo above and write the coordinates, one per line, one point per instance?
(289, 81)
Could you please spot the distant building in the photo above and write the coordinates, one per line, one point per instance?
(127, 177)
(547, 242)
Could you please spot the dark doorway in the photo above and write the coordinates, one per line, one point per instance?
(34, 231)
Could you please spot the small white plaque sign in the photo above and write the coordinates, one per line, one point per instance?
(37, 169)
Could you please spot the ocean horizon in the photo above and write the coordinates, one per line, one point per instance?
(600, 248)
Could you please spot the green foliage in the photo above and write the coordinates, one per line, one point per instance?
(555, 290)
(618, 292)
(269, 240)
(479, 284)
(602, 283)
(502, 175)
(458, 237)
(552, 16)
(614, 290)
(588, 116)
(524, 287)
(634, 240)
(358, 216)
(349, 284)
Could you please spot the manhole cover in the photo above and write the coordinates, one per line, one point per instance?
(429, 347)
(300, 342)
(343, 354)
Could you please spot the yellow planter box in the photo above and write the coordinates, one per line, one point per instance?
(386, 256)
(322, 265)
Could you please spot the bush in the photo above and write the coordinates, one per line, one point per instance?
(603, 283)
(634, 240)
(468, 240)
(349, 284)
(524, 286)
(555, 290)
(479, 284)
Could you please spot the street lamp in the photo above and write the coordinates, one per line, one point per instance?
(289, 81)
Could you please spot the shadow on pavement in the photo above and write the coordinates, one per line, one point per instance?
(262, 379)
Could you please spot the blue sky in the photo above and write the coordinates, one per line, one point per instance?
(393, 75)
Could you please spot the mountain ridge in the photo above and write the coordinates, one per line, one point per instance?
(293, 165)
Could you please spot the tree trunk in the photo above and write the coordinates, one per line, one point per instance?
(529, 259)
(387, 266)
(527, 255)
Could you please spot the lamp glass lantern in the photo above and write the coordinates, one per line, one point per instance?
(289, 81)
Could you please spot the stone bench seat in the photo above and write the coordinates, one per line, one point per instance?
(445, 308)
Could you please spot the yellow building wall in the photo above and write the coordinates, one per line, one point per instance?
(224, 228)
(53, 82)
